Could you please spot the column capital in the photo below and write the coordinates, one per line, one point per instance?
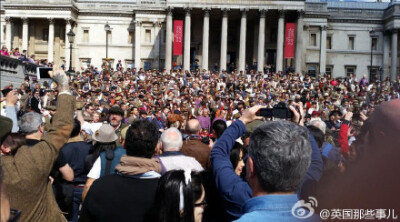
(51, 20)
(157, 23)
(225, 11)
(169, 10)
(263, 11)
(281, 13)
(25, 19)
(300, 13)
(244, 11)
(206, 11)
(8, 19)
(394, 31)
(138, 23)
(188, 10)
(68, 21)
(324, 27)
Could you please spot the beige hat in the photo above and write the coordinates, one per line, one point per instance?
(105, 134)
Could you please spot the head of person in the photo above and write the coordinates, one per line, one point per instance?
(319, 124)
(180, 196)
(236, 157)
(193, 127)
(279, 156)
(96, 117)
(141, 139)
(5, 137)
(115, 115)
(219, 127)
(104, 139)
(171, 140)
(77, 129)
(32, 125)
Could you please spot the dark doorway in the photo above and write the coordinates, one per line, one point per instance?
(271, 57)
(231, 60)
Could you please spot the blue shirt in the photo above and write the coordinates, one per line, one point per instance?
(74, 153)
(271, 208)
(234, 191)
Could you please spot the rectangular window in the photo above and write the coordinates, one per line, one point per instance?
(85, 35)
(313, 39)
(312, 70)
(350, 70)
(328, 70)
(147, 36)
(329, 42)
(131, 37)
(374, 43)
(45, 35)
(351, 43)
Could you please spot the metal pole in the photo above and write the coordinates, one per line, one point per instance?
(70, 58)
(370, 68)
(106, 44)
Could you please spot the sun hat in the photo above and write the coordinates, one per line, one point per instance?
(105, 134)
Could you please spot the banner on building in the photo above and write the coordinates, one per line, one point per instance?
(290, 38)
(178, 37)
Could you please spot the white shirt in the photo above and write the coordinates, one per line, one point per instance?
(94, 173)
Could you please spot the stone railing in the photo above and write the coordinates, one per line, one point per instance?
(13, 71)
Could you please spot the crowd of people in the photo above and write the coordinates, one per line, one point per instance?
(162, 145)
(24, 57)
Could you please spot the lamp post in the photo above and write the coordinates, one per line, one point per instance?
(107, 28)
(371, 34)
(71, 38)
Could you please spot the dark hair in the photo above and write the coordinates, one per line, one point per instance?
(166, 204)
(281, 154)
(317, 134)
(77, 128)
(235, 154)
(141, 139)
(100, 147)
(219, 127)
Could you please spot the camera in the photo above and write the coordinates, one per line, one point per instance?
(280, 111)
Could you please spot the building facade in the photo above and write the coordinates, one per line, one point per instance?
(334, 37)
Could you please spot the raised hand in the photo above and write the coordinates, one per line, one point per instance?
(61, 78)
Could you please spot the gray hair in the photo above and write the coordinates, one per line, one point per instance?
(171, 139)
(319, 124)
(30, 122)
(281, 153)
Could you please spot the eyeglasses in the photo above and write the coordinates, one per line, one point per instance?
(14, 215)
(201, 204)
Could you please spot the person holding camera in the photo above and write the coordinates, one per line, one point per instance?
(284, 159)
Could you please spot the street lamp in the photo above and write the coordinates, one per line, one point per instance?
(107, 28)
(71, 38)
(371, 34)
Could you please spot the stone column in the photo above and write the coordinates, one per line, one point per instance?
(322, 55)
(67, 44)
(206, 29)
(242, 46)
(25, 34)
(138, 35)
(279, 46)
(261, 42)
(299, 42)
(386, 50)
(224, 39)
(8, 32)
(393, 67)
(168, 40)
(157, 42)
(186, 52)
(50, 47)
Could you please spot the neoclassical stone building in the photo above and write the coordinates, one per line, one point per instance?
(335, 37)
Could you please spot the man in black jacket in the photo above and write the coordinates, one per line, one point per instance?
(129, 194)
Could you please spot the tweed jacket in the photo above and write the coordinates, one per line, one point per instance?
(26, 174)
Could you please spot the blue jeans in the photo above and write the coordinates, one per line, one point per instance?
(77, 201)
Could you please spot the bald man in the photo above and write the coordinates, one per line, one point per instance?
(193, 146)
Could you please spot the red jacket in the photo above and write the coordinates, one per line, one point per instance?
(343, 139)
